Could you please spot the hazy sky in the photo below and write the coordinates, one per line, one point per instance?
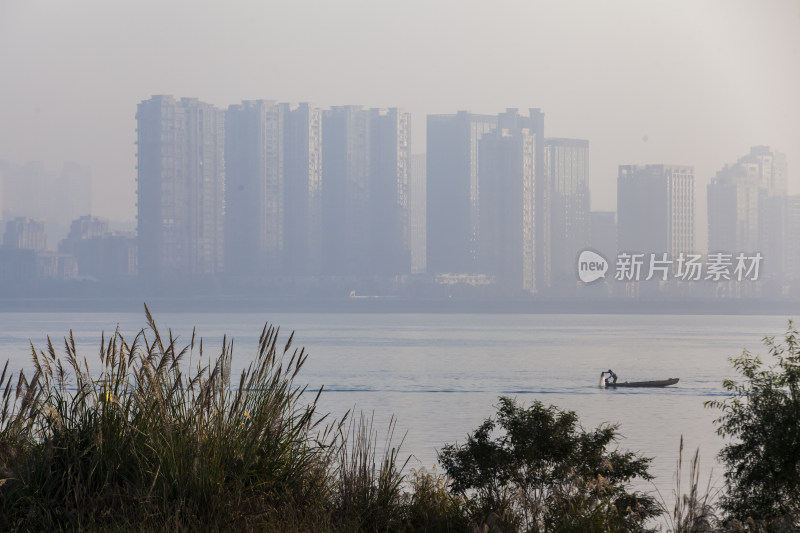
(688, 82)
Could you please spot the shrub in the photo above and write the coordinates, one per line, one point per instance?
(761, 417)
(535, 469)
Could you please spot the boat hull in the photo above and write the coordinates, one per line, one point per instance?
(659, 383)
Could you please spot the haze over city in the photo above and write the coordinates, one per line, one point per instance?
(411, 150)
(693, 83)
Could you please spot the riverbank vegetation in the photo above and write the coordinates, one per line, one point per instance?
(159, 436)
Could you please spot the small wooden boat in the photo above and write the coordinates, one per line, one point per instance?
(658, 383)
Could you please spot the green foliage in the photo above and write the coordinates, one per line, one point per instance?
(146, 442)
(535, 469)
(761, 417)
(431, 507)
(369, 496)
(155, 441)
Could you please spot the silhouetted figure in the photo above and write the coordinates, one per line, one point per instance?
(611, 380)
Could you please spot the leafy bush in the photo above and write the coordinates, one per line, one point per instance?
(762, 419)
(535, 469)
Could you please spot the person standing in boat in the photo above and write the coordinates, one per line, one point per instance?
(611, 380)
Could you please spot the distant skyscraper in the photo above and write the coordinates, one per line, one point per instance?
(25, 234)
(655, 209)
(365, 191)
(507, 174)
(748, 210)
(85, 227)
(774, 240)
(254, 196)
(98, 253)
(181, 186)
(452, 190)
(416, 212)
(388, 181)
(302, 170)
(346, 190)
(772, 225)
(733, 200)
(770, 167)
(567, 163)
(534, 123)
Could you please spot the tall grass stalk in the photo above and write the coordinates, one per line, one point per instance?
(143, 439)
(693, 510)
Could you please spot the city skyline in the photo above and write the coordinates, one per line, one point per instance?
(701, 213)
(768, 168)
(267, 190)
(677, 96)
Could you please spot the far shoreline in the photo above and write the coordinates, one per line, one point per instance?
(389, 305)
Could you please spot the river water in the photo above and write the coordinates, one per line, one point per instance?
(440, 375)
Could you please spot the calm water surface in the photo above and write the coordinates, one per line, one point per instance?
(442, 374)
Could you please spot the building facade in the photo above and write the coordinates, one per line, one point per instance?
(302, 170)
(390, 251)
(24, 233)
(749, 211)
(507, 180)
(655, 209)
(254, 196)
(567, 164)
(416, 213)
(180, 188)
(346, 190)
(452, 192)
(733, 206)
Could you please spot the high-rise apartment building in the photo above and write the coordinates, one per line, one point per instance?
(733, 205)
(457, 194)
(99, 253)
(507, 175)
(180, 187)
(655, 209)
(302, 171)
(417, 212)
(25, 234)
(511, 119)
(749, 211)
(567, 164)
(346, 190)
(453, 196)
(254, 196)
(365, 162)
(390, 252)
(770, 167)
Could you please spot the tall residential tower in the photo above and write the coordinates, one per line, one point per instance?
(180, 187)
(655, 209)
